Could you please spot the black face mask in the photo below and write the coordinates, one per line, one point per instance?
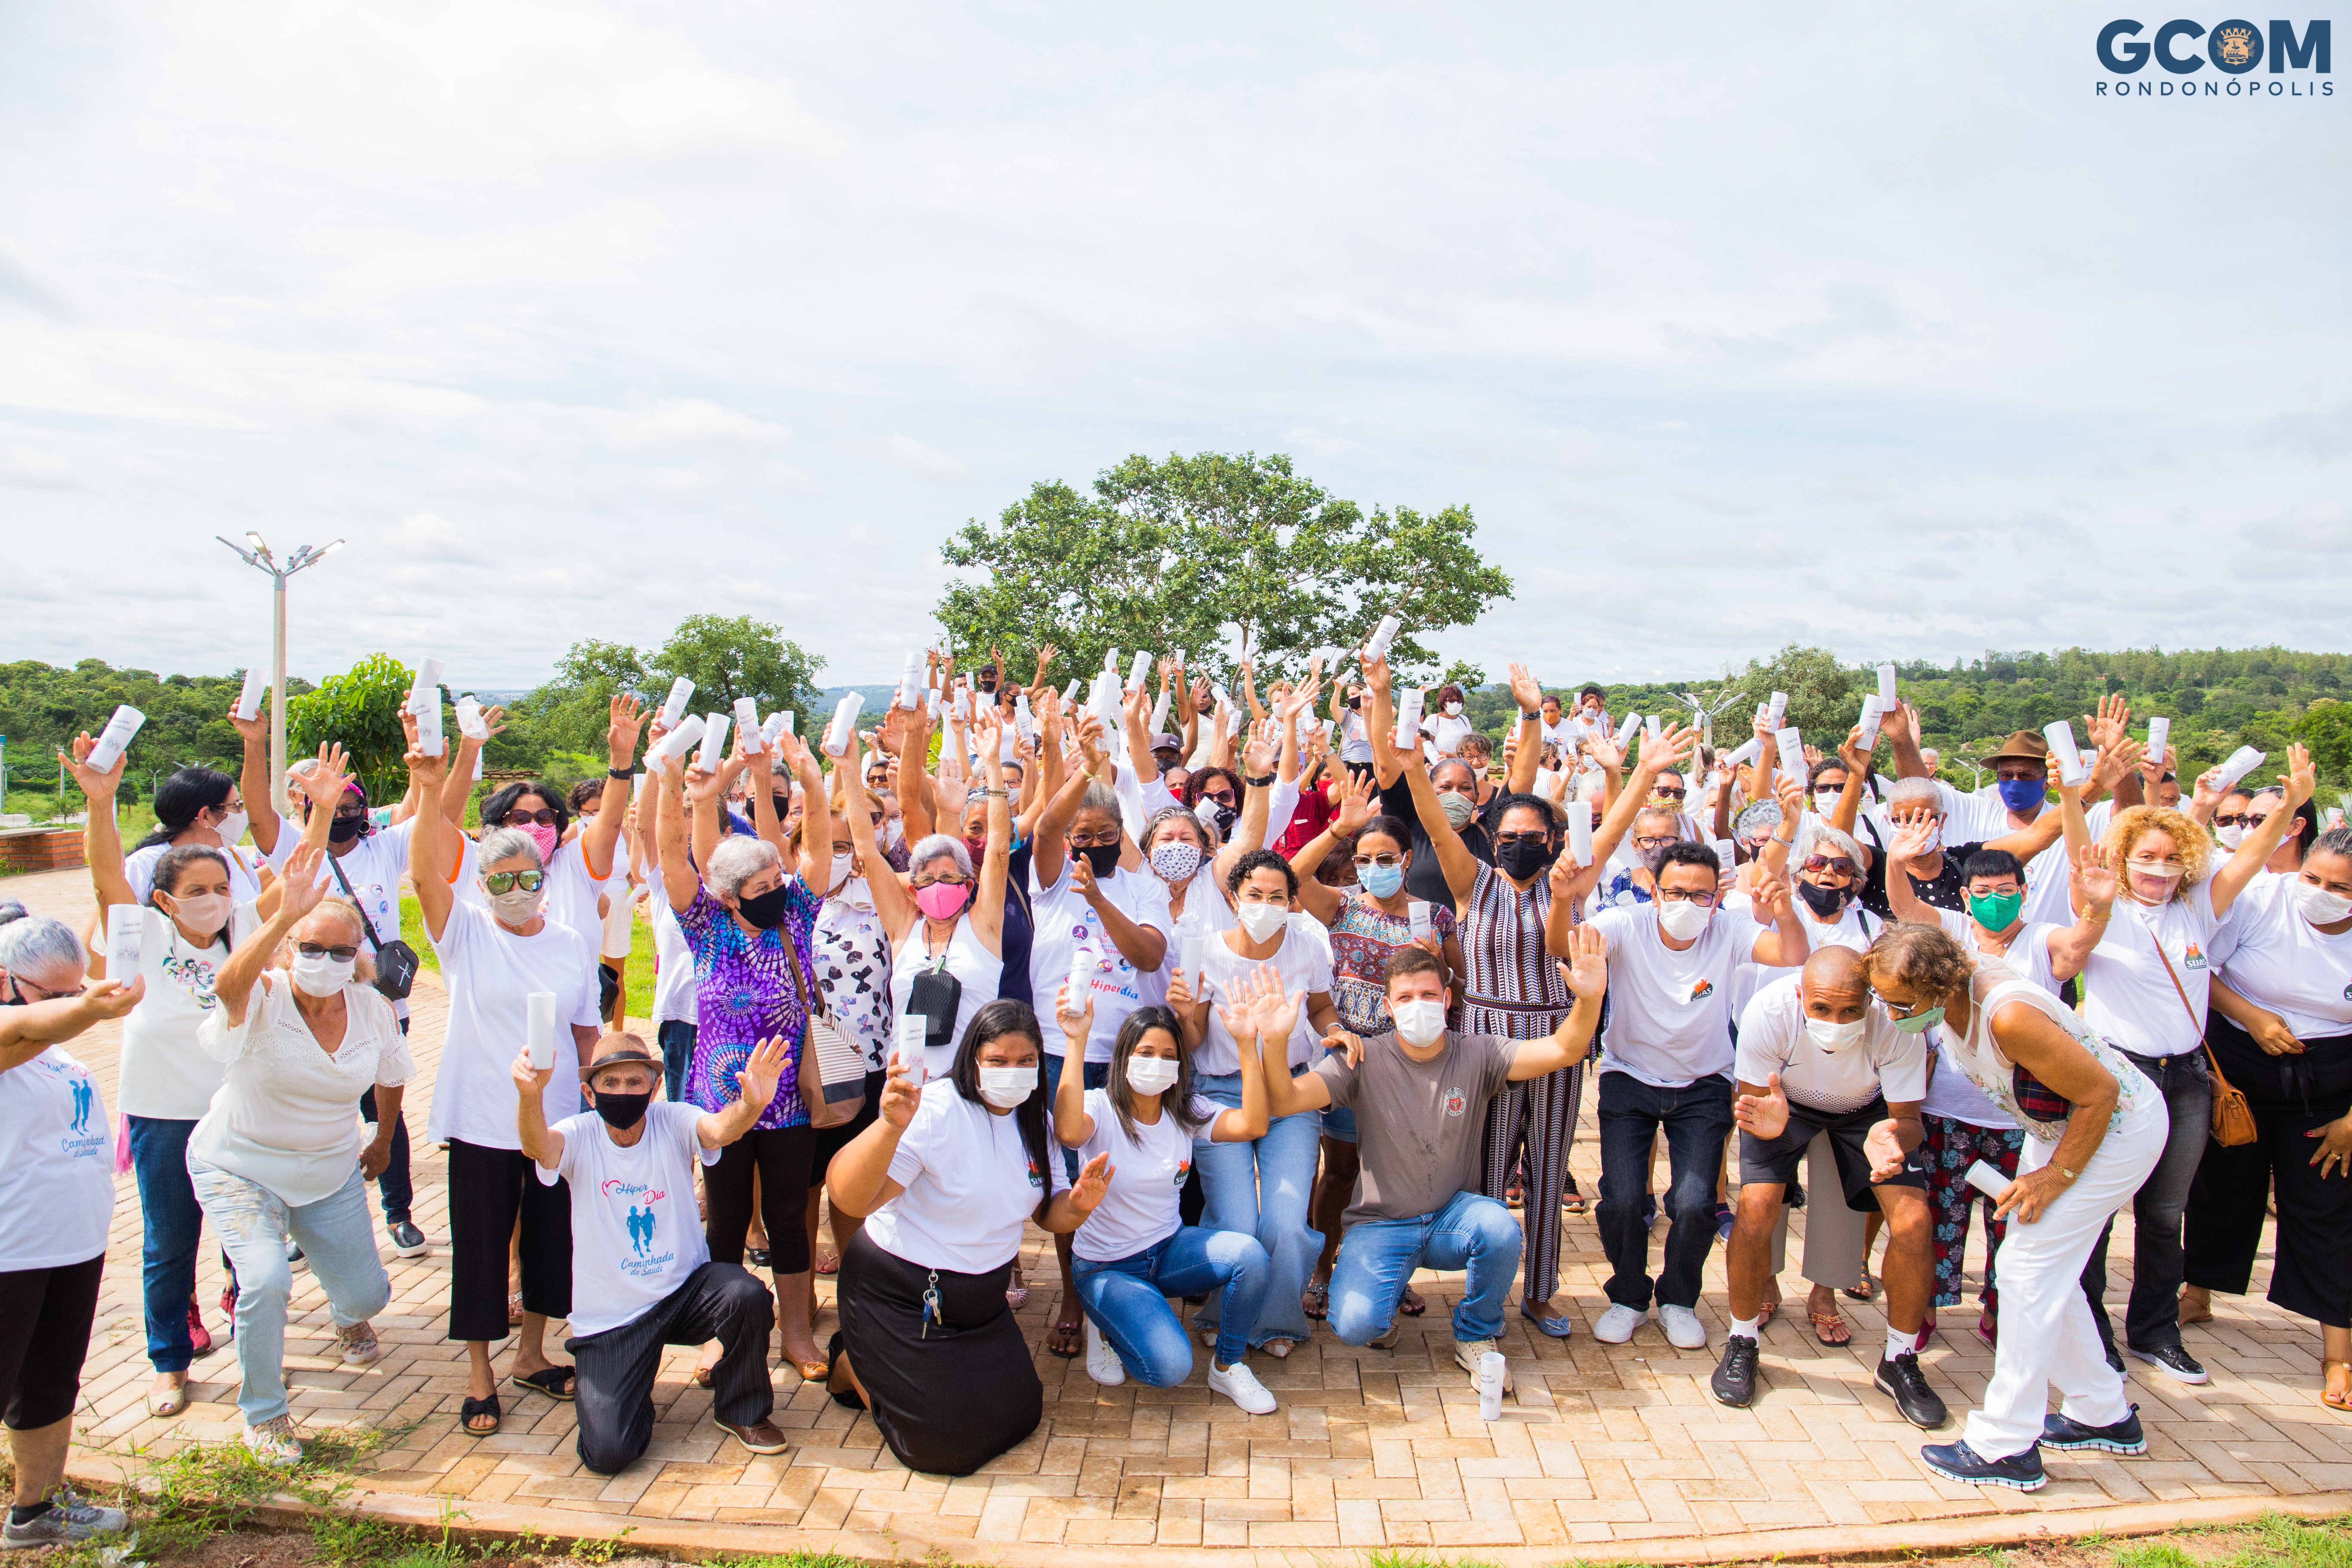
(622, 1112)
(1102, 859)
(784, 805)
(1823, 901)
(1353, 702)
(766, 910)
(1522, 860)
(344, 829)
(1226, 816)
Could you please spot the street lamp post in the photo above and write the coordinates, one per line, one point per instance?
(258, 558)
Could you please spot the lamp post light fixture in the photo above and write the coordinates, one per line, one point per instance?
(258, 557)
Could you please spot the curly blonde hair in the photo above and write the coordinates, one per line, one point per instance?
(2135, 823)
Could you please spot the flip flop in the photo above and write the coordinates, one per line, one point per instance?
(1316, 1299)
(1765, 1315)
(474, 1407)
(2343, 1403)
(1825, 1323)
(514, 1308)
(1077, 1333)
(826, 1262)
(1411, 1303)
(1865, 1291)
(555, 1381)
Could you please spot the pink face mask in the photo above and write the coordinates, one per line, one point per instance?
(942, 900)
(544, 837)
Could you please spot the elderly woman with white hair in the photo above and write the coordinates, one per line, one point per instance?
(495, 954)
(749, 921)
(947, 958)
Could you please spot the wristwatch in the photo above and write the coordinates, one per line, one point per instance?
(624, 775)
(1526, 717)
(1258, 783)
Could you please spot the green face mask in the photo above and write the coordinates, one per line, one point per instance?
(1920, 1023)
(1996, 911)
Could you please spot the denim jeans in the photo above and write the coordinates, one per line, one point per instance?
(2152, 1317)
(1697, 1119)
(676, 1039)
(1262, 1189)
(335, 1235)
(394, 1187)
(1127, 1299)
(172, 1225)
(1377, 1257)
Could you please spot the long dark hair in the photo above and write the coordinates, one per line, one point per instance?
(495, 809)
(1006, 1016)
(1176, 1100)
(181, 798)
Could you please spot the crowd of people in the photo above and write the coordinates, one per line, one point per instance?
(1257, 1005)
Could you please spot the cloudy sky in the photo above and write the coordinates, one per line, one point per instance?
(1861, 324)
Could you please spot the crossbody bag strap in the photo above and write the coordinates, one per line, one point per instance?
(367, 921)
(2166, 959)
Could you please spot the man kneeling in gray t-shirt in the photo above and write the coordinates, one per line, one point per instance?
(1419, 1098)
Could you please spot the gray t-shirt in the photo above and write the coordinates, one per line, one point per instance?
(1418, 1125)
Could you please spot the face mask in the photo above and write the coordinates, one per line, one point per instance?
(542, 835)
(1920, 1022)
(516, 907)
(1261, 920)
(201, 911)
(622, 1111)
(1458, 808)
(2316, 904)
(1832, 1036)
(894, 833)
(1996, 911)
(1381, 882)
(942, 900)
(1521, 861)
(1101, 859)
(1683, 920)
(977, 848)
(1354, 703)
(1419, 1022)
(765, 911)
(1935, 838)
(1453, 708)
(2167, 875)
(1824, 801)
(1823, 901)
(842, 865)
(344, 829)
(1175, 861)
(2230, 836)
(1225, 817)
(2020, 794)
(1150, 1075)
(232, 827)
(1005, 1088)
(317, 975)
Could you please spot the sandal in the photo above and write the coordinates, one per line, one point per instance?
(514, 1308)
(826, 1262)
(1865, 1291)
(1411, 1304)
(473, 1410)
(2335, 1400)
(1016, 1296)
(169, 1403)
(1764, 1314)
(555, 1381)
(1279, 1348)
(1831, 1328)
(1066, 1339)
(1316, 1299)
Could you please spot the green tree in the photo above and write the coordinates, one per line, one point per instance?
(360, 709)
(727, 657)
(2327, 729)
(1198, 554)
(1824, 696)
(570, 712)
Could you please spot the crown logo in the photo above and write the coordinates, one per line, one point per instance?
(2237, 45)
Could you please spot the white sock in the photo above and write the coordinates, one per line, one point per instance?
(1750, 1327)
(1900, 1344)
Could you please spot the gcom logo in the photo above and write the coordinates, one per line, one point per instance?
(2233, 47)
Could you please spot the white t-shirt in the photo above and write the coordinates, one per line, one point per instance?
(635, 1233)
(1445, 732)
(490, 972)
(572, 895)
(287, 1116)
(1855, 927)
(1067, 926)
(1953, 1095)
(2029, 950)
(2288, 966)
(374, 866)
(165, 1074)
(676, 1000)
(970, 1186)
(2049, 876)
(1565, 735)
(56, 1165)
(1773, 1039)
(1670, 1013)
(2127, 997)
(244, 884)
(1147, 1179)
(1305, 969)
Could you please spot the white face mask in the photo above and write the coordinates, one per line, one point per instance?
(1176, 860)
(2316, 904)
(1419, 1022)
(1263, 920)
(1150, 1075)
(232, 827)
(317, 974)
(1833, 1037)
(894, 833)
(205, 912)
(516, 906)
(1453, 709)
(2230, 836)
(842, 865)
(1005, 1088)
(1683, 920)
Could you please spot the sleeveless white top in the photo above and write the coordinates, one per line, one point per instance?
(1995, 987)
(979, 971)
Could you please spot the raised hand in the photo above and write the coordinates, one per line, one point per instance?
(1765, 1115)
(1278, 1012)
(494, 723)
(2106, 726)
(427, 770)
(528, 1078)
(761, 1071)
(1853, 754)
(1588, 973)
(95, 785)
(1077, 1022)
(1258, 755)
(301, 878)
(1093, 1184)
(328, 778)
(1563, 874)
(2300, 778)
(625, 718)
(255, 728)
(1355, 803)
(1915, 837)
(2116, 759)
(2093, 876)
(900, 1096)
(1525, 690)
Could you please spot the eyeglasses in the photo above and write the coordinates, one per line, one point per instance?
(1501, 839)
(545, 817)
(921, 882)
(1837, 863)
(23, 985)
(1907, 1009)
(508, 881)
(1653, 841)
(1098, 842)
(1704, 898)
(343, 954)
(1381, 860)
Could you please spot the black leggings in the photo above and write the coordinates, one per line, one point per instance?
(782, 1155)
(488, 1190)
(44, 1319)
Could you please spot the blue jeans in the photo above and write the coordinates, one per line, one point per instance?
(1377, 1257)
(1094, 1074)
(1262, 1189)
(335, 1235)
(172, 1225)
(676, 1039)
(1128, 1298)
(1697, 1119)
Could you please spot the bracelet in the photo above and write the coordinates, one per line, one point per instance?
(1258, 782)
(995, 794)
(1528, 717)
(624, 775)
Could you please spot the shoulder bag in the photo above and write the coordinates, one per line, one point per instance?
(2233, 1122)
(833, 1068)
(395, 961)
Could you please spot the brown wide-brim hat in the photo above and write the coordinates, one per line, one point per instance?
(2025, 746)
(621, 1056)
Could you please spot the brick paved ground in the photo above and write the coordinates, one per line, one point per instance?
(1369, 1449)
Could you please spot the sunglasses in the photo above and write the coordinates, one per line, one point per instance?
(1381, 860)
(1501, 839)
(1223, 797)
(1670, 794)
(1837, 863)
(343, 954)
(508, 881)
(545, 817)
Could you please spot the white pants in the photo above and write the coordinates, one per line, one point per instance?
(2046, 1333)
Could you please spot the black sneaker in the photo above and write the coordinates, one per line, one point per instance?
(756, 1257)
(408, 1241)
(2174, 1362)
(1649, 1211)
(1734, 1382)
(1793, 1194)
(1902, 1381)
(1958, 1462)
(2124, 1438)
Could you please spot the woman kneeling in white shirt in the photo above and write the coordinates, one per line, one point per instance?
(1137, 1251)
(945, 1179)
(279, 1151)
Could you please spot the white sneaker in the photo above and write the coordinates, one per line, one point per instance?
(1466, 1356)
(1102, 1360)
(273, 1441)
(1240, 1384)
(1616, 1325)
(1683, 1330)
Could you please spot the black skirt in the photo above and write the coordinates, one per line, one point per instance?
(950, 1395)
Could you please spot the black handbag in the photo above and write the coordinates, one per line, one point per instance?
(938, 996)
(395, 961)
